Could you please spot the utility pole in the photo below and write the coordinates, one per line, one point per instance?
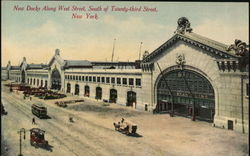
(20, 132)
(140, 51)
(171, 94)
(113, 50)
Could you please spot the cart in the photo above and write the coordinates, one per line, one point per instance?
(37, 137)
(126, 127)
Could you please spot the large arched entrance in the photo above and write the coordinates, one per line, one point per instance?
(55, 80)
(98, 93)
(86, 91)
(23, 76)
(77, 89)
(183, 91)
(113, 95)
(131, 98)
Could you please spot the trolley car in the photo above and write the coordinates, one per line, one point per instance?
(39, 110)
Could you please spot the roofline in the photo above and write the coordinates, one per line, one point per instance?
(187, 40)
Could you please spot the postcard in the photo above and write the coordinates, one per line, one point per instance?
(124, 78)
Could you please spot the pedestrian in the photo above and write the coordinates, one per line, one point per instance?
(33, 121)
(30, 98)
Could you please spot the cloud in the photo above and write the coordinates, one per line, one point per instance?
(48, 28)
(223, 32)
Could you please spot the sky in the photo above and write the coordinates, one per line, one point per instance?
(35, 34)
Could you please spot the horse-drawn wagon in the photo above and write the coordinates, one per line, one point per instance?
(126, 127)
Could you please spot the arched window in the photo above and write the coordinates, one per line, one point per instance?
(68, 88)
(76, 89)
(131, 98)
(86, 91)
(55, 80)
(113, 95)
(98, 93)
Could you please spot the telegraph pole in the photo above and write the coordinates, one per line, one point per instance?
(140, 51)
(113, 50)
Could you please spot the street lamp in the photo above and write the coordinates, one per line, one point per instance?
(20, 132)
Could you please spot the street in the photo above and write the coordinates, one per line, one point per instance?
(92, 132)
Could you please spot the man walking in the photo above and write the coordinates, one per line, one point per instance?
(33, 121)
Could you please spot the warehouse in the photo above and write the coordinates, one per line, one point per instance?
(189, 75)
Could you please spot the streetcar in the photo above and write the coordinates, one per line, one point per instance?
(39, 110)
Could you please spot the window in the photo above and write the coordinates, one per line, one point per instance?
(98, 79)
(70, 77)
(82, 78)
(247, 89)
(138, 82)
(90, 78)
(86, 78)
(94, 79)
(65, 77)
(124, 81)
(131, 81)
(74, 77)
(118, 80)
(103, 79)
(107, 80)
(112, 80)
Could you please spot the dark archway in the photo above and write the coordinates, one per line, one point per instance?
(98, 93)
(113, 96)
(190, 91)
(55, 80)
(68, 88)
(23, 76)
(86, 91)
(46, 84)
(76, 89)
(131, 98)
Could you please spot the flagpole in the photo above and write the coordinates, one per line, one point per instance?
(113, 50)
(140, 51)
